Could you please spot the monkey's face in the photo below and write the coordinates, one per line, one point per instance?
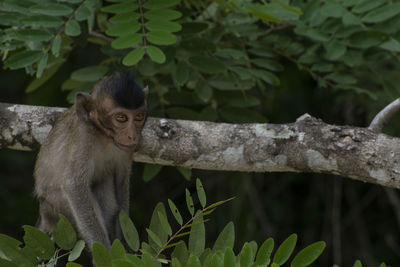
(123, 126)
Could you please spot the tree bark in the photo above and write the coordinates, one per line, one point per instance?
(307, 145)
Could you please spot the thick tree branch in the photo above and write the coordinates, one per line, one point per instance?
(308, 145)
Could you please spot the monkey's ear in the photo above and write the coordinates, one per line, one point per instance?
(83, 105)
(146, 91)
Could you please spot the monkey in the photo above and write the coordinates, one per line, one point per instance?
(83, 167)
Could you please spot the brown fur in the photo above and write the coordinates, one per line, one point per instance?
(83, 173)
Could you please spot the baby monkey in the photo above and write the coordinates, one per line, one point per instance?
(83, 167)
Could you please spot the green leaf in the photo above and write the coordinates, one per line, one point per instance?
(181, 253)
(207, 64)
(308, 255)
(162, 14)
(367, 39)
(161, 38)
(193, 27)
(133, 259)
(42, 65)
(162, 25)
(311, 33)
(83, 13)
(155, 54)
(262, 11)
(217, 260)
(150, 171)
(101, 256)
(56, 46)
(391, 45)
(229, 258)
(246, 255)
(154, 237)
(77, 250)
(129, 231)
(341, 78)
(133, 57)
(201, 194)
(381, 14)
(175, 263)
(264, 253)
(125, 17)
(164, 223)
(229, 83)
(64, 235)
(181, 75)
(231, 53)
(187, 173)
(226, 238)
(382, 264)
(193, 261)
(10, 248)
(175, 211)
(160, 4)
(127, 41)
(366, 5)
(39, 242)
(197, 237)
(124, 29)
(122, 263)
(267, 63)
(89, 74)
(203, 91)
(124, 7)
(334, 50)
(189, 202)
(47, 74)
(285, 250)
(72, 28)
(51, 9)
(350, 19)
(266, 76)
(31, 35)
(117, 250)
(357, 263)
(43, 21)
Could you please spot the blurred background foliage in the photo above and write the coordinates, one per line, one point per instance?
(226, 61)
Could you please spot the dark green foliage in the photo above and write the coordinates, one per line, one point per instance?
(161, 237)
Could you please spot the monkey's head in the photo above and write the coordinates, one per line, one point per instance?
(117, 106)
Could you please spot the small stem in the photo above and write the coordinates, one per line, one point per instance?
(142, 20)
(100, 36)
(384, 116)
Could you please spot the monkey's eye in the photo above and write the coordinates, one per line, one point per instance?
(121, 118)
(139, 117)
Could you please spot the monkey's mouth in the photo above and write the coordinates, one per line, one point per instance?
(128, 148)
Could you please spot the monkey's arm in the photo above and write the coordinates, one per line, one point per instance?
(86, 213)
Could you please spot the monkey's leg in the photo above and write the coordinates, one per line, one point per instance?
(48, 217)
(122, 195)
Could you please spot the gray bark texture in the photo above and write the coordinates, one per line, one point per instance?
(307, 145)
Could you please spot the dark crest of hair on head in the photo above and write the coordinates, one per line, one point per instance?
(124, 89)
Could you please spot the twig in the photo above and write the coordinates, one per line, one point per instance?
(100, 36)
(278, 28)
(384, 116)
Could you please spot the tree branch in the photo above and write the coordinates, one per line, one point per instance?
(383, 117)
(308, 145)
